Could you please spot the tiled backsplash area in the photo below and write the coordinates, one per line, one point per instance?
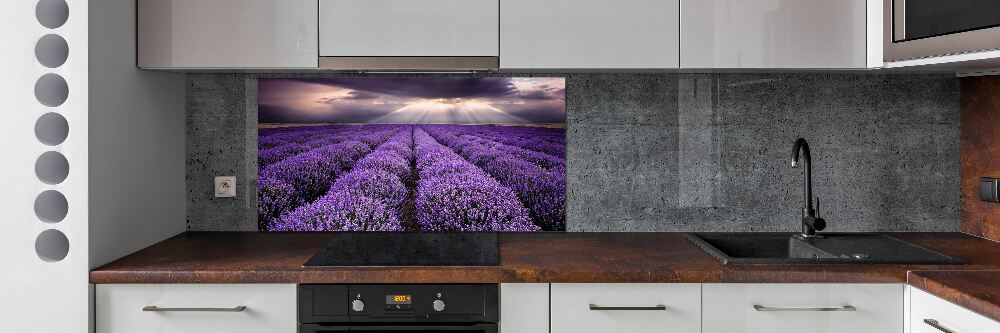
(683, 152)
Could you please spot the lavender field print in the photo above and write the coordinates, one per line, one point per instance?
(412, 154)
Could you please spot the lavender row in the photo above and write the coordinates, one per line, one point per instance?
(539, 185)
(454, 195)
(302, 178)
(554, 147)
(486, 149)
(551, 141)
(268, 138)
(309, 140)
(371, 197)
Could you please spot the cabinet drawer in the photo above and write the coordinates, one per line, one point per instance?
(268, 308)
(946, 315)
(802, 308)
(634, 308)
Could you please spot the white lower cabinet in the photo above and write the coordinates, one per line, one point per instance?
(634, 308)
(930, 314)
(570, 308)
(802, 308)
(524, 308)
(180, 308)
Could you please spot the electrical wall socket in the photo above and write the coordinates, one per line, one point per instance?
(225, 186)
(988, 189)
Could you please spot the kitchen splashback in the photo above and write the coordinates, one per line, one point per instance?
(680, 152)
(427, 154)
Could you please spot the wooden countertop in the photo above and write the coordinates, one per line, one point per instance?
(978, 291)
(251, 257)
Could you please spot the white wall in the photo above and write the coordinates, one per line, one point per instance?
(137, 185)
(38, 295)
(137, 122)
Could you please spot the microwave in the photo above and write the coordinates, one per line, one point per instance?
(915, 29)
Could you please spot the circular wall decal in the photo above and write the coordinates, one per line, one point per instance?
(51, 129)
(52, 245)
(51, 90)
(51, 51)
(52, 13)
(51, 206)
(52, 167)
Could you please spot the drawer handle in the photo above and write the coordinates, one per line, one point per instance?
(759, 307)
(596, 307)
(159, 309)
(935, 324)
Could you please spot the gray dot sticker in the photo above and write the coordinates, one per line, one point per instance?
(51, 90)
(52, 168)
(51, 129)
(51, 206)
(51, 51)
(52, 245)
(52, 13)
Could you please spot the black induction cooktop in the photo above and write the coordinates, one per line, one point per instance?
(408, 249)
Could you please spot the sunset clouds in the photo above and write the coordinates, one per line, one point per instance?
(412, 100)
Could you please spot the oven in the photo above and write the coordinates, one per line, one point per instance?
(914, 29)
(376, 308)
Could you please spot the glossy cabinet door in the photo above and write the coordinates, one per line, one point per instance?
(227, 34)
(196, 308)
(524, 308)
(407, 28)
(802, 308)
(633, 308)
(930, 314)
(775, 34)
(589, 34)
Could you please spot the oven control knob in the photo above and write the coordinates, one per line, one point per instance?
(358, 305)
(438, 305)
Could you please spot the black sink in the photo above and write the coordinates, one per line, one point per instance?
(837, 248)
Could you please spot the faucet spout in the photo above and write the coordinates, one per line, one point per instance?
(810, 222)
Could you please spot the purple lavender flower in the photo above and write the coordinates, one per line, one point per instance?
(538, 181)
(447, 167)
(372, 183)
(468, 178)
(340, 212)
(273, 197)
(469, 203)
(270, 156)
(387, 161)
(463, 200)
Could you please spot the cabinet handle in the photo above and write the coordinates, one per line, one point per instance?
(596, 307)
(759, 307)
(159, 309)
(935, 324)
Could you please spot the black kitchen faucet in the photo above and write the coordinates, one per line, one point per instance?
(810, 221)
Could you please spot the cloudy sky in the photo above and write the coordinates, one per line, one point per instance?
(412, 100)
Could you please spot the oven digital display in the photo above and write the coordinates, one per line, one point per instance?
(398, 299)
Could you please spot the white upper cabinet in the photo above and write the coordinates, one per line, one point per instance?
(408, 28)
(780, 34)
(589, 34)
(227, 33)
